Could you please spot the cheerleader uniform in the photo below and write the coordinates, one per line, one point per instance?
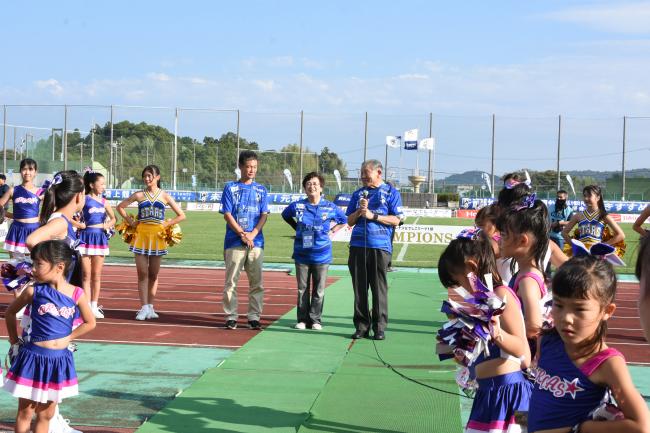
(591, 228)
(148, 239)
(544, 297)
(498, 398)
(41, 374)
(26, 205)
(563, 395)
(93, 241)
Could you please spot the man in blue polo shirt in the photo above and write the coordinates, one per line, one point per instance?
(244, 207)
(560, 215)
(313, 218)
(374, 212)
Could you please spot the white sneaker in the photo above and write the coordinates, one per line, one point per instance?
(316, 326)
(58, 424)
(98, 313)
(143, 313)
(300, 325)
(151, 314)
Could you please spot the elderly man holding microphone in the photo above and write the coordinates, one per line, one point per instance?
(374, 212)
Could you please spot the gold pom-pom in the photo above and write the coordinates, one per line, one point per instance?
(620, 246)
(126, 231)
(172, 235)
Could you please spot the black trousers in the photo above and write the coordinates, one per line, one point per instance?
(368, 269)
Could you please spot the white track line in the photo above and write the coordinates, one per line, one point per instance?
(187, 301)
(402, 252)
(153, 343)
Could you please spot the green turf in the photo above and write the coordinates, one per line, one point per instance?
(204, 233)
(122, 385)
(286, 380)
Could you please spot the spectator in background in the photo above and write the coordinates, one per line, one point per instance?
(560, 215)
(4, 188)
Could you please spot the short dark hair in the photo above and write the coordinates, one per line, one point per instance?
(246, 155)
(561, 191)
(312, 175)
(2, 176)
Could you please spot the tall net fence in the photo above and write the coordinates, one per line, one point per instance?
(197, 148)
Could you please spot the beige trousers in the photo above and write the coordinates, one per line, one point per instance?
(251, 260)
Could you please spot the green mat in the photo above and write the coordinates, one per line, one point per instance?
(286, 380)
(122, 385)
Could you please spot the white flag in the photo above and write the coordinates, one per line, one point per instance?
(486, 178)
(337, 175)
(411, 139)
(238, 173)
(287, 174)
(568, 179)
(427, 143)
(393, 141)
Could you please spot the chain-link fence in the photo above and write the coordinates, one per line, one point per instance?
(197, 148)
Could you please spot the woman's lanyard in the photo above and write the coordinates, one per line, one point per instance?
(308, 233)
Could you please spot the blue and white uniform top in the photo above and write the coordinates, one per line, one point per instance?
(563, 395)
(52, 313)
(26, 203)
(152, 209)
(590, 229)
(246, 204)
(94, 211)
(382, 200)
(71, 236)
(313, 244)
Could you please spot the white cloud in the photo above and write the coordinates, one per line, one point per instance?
(413, 77)
(159, 76)
(281, 61)
(265, 85)
(620, 17)
(51, 85)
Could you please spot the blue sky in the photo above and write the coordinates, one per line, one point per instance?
(526, 62)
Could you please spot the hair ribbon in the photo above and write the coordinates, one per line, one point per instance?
(600, 250)
(471, 233)
(527, 203)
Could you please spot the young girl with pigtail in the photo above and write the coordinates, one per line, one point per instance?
(503, 391)
(97, 219)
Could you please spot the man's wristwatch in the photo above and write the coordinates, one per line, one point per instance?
(375, 216)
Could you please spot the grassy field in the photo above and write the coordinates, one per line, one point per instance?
(203, 234)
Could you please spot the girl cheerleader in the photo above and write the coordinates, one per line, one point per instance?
(576, 369)
(502, 388)
(638, 224)
(26, 201)
(593, 222)
(148, 245)
(97, 218)
(642, 272)
(524, 231)
(42, 372)
(486, 220)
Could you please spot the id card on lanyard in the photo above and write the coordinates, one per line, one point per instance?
(308, 239)
(242, 209)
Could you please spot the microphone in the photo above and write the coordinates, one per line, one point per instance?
(364, 195)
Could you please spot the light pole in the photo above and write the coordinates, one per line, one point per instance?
(54, 130)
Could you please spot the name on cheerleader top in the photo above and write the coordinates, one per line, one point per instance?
(557, 385)
(97, 210)
(26, 200)
(50, 308)
(151, 212)
(591, 230)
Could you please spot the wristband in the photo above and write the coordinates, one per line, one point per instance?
(375, 217)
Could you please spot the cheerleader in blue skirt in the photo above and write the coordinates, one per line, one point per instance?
(98, 218)
(42, 372)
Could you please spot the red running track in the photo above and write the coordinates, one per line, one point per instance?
(189, 305)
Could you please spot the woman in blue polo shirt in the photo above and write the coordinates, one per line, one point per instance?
(312, 219)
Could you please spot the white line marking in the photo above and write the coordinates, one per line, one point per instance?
(153, 343)
(402, 252)
(188, 301)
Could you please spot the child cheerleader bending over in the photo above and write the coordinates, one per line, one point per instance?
(147, 244)
(576, 369)
(42, 372)
(502, 388)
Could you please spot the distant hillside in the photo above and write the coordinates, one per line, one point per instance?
(474, 177)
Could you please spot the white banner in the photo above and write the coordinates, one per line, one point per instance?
(213, 207)
(393, 141)
(427, 144)
(412, 234)
(337, 176)
(411, 139)
(287, 174)
(433, 213)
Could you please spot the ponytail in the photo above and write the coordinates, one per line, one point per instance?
(64, 187)
(58, 251)
(595, 189)
(453, 259)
